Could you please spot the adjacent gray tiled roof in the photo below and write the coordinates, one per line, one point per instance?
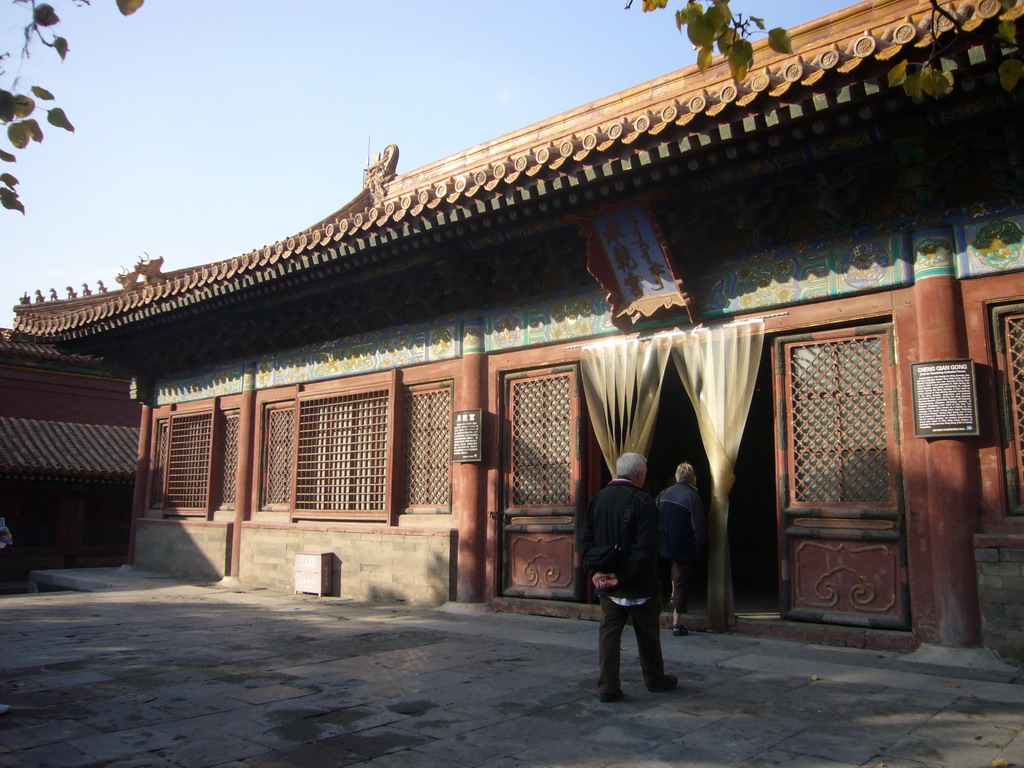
(30, 447)
(34, 352)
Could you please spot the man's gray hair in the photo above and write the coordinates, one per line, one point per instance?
(630, 465)
(684, 472)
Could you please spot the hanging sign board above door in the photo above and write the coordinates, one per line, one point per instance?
(628, 256)
(945, 398)
(466, 432)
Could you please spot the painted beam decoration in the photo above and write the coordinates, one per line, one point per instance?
(627, 255)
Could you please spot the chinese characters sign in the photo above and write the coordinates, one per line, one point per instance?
(628, 257)
(466, 431)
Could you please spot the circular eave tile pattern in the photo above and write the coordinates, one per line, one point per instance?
(709, 98)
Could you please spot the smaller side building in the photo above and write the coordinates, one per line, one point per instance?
(68, 437)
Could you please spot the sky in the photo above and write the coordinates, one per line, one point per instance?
(207, 128)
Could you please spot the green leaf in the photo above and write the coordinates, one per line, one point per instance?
(704, 57)
(44, 15)
(948, 87)
(913, 86)
(23, 105)
(653, 5)
(928, 81)
(62, 46)
(9, 180)
(898, 74)
(701, 32)
(42, 93)
(57, 117)
(718, 17)
(34, 130)
(779, 41)
(19, 134)
(9, 200)
(691, 12)
(7, 157)
(128, 7)
(6, 106)
(935, 83)
(758, 22)
(741, 57)
(1010, 72)
(726, 39)
(723, 8)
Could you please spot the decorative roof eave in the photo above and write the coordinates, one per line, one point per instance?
(839, 54)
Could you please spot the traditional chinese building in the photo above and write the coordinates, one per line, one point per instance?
(68, 435)
(807, 283)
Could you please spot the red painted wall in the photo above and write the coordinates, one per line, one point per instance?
(34, 393)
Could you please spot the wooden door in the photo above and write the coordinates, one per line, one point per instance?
(843, 546)
(541, 484)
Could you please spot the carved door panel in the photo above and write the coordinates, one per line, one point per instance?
(541, 484)
(842, 537)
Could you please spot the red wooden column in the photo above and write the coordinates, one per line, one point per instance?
(952, 492)
(243, 474)
(469, 497)
(142, 462)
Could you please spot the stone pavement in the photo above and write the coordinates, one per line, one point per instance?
(161, 673)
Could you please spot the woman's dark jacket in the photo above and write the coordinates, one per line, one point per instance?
(602, 524)
(683, 529)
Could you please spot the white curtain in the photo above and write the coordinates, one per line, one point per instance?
(622, 384)
(719, 369)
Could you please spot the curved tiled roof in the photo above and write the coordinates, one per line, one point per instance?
(839, 53)
(33, 352)
(56, 449)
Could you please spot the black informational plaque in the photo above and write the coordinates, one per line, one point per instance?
(945, 398)
(466, 434)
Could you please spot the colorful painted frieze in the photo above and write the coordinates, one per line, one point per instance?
(510, 327)
(990, 245)
(779, 278)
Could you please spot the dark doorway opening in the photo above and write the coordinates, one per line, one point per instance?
(753, 534)
(676, 439)
(753, 516)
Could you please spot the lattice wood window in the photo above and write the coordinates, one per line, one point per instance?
(542, 441)
(188, 461)
(229, 461)
(839, 427)
(278, 441)
(1011, 338)
(341, 464)
(426, 463)
(160, 443)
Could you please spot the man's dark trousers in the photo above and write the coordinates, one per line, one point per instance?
(646, 625)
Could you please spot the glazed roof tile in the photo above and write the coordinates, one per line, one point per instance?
(34, 352)
(29, 447)
(844, 51)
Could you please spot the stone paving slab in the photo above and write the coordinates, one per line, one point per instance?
(172, 675)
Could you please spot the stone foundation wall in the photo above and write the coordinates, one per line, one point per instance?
(1000, 567)
(382, 565)
(188, 550)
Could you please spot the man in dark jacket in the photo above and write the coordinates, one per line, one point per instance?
(681, 514)
(633, 591)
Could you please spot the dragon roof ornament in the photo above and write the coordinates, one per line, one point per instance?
(380, 172)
